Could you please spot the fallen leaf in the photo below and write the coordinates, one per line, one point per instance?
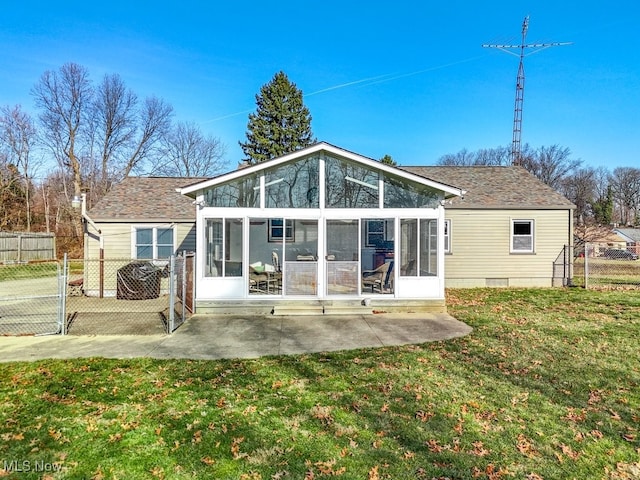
(373, 473)
(235, 447)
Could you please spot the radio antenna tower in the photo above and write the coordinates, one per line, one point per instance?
(525, 50)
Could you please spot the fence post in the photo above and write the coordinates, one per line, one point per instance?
(587, 252)
(183, 285)
(172, 292)
(62, 320)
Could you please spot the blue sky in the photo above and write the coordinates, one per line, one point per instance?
(408, 78)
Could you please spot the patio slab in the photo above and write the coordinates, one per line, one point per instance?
(218, 337)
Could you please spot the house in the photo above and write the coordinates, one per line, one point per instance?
(508, 230)
(595, 240)
(140, 218)
(631, 237)
(329, 230)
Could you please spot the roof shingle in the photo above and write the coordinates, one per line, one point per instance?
(149, 199)
(495, 187)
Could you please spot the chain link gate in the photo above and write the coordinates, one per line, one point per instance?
(182, 297)
(32, 298)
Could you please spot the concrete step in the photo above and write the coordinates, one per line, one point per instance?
(302, 309)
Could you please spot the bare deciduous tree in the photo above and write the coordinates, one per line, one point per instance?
(18, 135)
(580, 188)
(551, 164)
(485, 156)
(98, 135)
(187, 152)
(154, 121)
(63, 98)
(115, 125)
(126, 133)
(625, 183)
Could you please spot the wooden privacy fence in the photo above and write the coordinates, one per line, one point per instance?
(27, 246)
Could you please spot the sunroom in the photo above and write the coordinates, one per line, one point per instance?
(318, 230)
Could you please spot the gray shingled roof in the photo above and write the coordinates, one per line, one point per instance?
(146, 199)
(154, 199)
(632, 233)
(495, 187)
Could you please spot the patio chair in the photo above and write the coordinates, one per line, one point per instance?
(377, 279)
(258, 281)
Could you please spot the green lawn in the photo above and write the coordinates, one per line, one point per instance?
(547, 386)
(29, 270)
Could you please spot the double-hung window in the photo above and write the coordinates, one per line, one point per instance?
(153, 242)
(522, 236)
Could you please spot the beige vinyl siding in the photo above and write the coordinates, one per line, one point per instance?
(118, 239)
(480, 248)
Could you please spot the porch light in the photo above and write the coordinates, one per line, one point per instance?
(76, 201)
(360, 182)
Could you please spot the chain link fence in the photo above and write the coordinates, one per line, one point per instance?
(30, 298)
(96, 296)
(599, 266)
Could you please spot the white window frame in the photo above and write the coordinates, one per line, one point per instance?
(531, 236)
(154, 240)
(446, 236)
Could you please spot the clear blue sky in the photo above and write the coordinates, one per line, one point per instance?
(406, 78)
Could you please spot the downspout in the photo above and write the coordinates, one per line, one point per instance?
(88, 219)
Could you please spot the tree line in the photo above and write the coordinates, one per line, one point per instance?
(89, 136)
(602, 196)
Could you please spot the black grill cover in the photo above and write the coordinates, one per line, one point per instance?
(138, 281)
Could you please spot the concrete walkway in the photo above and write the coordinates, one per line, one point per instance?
(208, 337)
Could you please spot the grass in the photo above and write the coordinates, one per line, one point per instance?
(48, 268)
(608, 272)
(29, 270)
(546, 387)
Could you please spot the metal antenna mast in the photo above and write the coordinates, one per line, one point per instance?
(516, 152)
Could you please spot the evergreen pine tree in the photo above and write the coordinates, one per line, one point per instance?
(281, 123)
(388, 160)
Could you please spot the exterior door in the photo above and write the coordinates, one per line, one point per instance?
(342, 257)
(300, 268)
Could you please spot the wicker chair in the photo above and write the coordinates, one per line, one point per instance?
(378, 278)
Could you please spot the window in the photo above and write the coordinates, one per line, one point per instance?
(223, 247)
(402, 193)
(349, 185)
(242, 192)
(428, 248)
(522, 236)
(375, 232)
(447, 236)
(418, 247)
(293, 185)
(277, 230)
(153, 242)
